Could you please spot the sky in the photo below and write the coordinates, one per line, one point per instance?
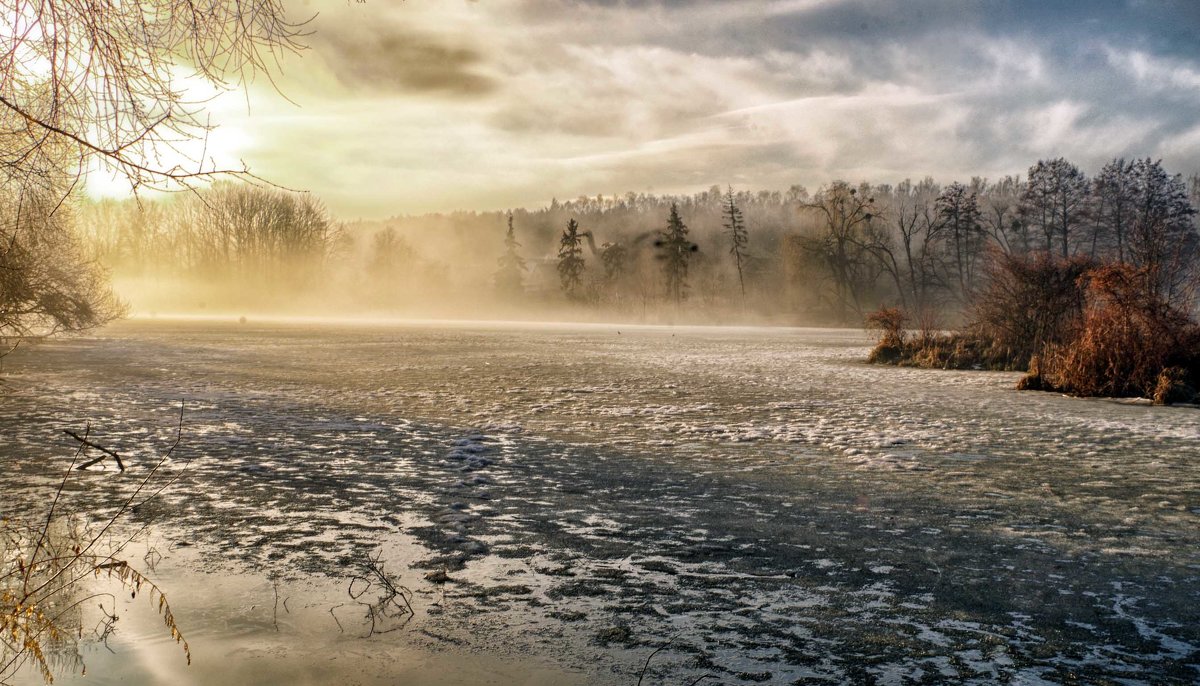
(412, 106)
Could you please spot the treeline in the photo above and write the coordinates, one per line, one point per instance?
(221, 245)
(1090, 287)
(717, 255)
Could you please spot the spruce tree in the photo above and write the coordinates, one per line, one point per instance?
(512, 265)
(570, 261)
(677, 251)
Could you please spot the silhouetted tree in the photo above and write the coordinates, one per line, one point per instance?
(676, 252)
(1054, 201)
(512, 265)
(842, 246)
(958, 212)
(1162, 238)
(735, 229)
(46, 284)
(570, 261)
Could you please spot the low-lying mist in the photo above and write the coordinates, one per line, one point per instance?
(240, 250)
(716, 257)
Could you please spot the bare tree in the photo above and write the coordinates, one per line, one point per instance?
(84, 80)
(913, 264)
(1055, 200)
(842, 245)
(1000, 212)
(735, 229)
(1163, 241)
(47, 286)
(1114, 192)
(236, 229)
(958, 212)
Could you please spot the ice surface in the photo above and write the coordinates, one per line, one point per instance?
(779, 509)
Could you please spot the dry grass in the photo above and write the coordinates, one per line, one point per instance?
(1126, 343)
(45, 566)
(1076, 327)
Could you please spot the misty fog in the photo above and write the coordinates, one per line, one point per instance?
(242, 250)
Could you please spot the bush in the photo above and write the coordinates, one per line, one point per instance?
(1077, 327)
(889, 322)
(930, 349)
(1128, 342)
(1030, 302)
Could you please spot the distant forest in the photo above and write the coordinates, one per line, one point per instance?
(722, 255)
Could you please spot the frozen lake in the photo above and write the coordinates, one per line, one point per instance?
(760, 500)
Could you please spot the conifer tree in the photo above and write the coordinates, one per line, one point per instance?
(570, 261)
(512, 265)
(677, 251)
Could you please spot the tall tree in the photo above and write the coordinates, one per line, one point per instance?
(1054, 201)
(570, 261)
(676, 253)
(739, 238)
(842, 245)
(512, 265)
(1163, 239)
(1114, 196)
(914, 264)
(1000, 203)
(958, 210)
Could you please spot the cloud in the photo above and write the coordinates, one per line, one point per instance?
(402, 59)
(1158, 73)
(423, 106)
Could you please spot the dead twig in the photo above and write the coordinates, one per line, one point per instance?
(391, 595)
(650, 657)
(335, 619)
(106, 451)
